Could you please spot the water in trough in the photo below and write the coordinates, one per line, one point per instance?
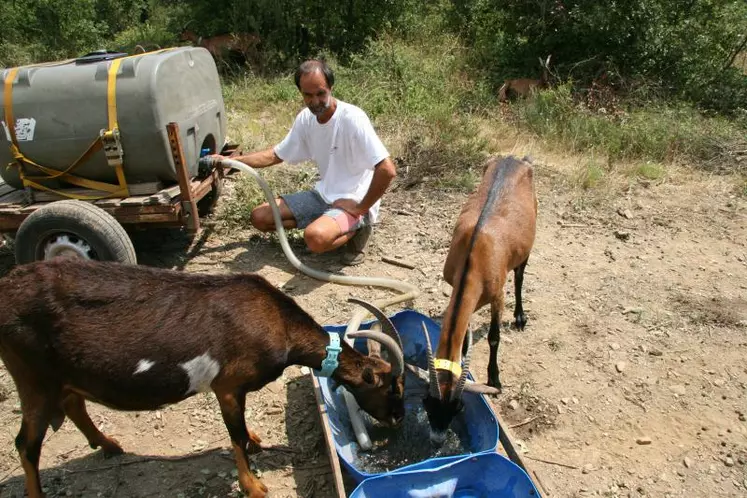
(410, 443)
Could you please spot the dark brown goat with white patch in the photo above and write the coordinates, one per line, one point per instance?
(494, 234)
(139, 338)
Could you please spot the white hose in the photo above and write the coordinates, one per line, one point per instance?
(408, 291)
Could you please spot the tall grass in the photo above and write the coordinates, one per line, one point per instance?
(657, 132)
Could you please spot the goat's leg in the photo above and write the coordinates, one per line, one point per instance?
(494, 340)
(521, 318)
(243, 442)
(75, 408)
(254, 444)
(36, 418)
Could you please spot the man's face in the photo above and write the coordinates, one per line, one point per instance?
(316, 94)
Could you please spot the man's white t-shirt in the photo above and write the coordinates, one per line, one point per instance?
(345, 149)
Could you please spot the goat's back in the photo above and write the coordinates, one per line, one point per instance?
(498, 220)
(94, 324)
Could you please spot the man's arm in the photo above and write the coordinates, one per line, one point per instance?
(260, 159)
(384, 173)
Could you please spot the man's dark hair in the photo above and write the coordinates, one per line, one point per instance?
(312, 66)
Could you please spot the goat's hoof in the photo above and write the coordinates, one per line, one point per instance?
(258, 491)
(496, 383)
(254, 438)
(253, 446)
(111, 448)
(521, 322)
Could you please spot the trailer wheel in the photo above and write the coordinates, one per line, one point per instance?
(72, 228)
(206, 205)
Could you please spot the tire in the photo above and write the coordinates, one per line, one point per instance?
(72, 228)
(206, 205)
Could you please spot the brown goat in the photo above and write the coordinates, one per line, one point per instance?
(140, 338)
(522, 87)
(494, 234)
(220, 46)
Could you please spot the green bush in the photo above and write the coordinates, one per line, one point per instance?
(44, 30)
(682, 48)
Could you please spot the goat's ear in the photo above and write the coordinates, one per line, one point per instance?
(368, 376)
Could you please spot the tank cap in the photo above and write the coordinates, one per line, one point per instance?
(100, 55)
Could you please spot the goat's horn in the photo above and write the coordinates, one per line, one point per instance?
(419, 372)
(459, 389)
(477, 388)
(398, 359)
(434, 389)
(387, 326)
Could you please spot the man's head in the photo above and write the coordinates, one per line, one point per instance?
(314, 79)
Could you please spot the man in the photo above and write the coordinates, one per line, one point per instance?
(354, 168)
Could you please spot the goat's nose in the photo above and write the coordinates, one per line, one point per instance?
(438, 438)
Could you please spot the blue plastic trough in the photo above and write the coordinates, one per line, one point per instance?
(485, 475)
(481, 472)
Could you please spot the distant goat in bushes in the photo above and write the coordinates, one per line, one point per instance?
(522, 87)
(140, 338)
(224, 47)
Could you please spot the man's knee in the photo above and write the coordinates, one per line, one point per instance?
(261, 218)
(317, 239)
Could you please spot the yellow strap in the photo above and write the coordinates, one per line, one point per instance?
(39, 186)
(442, 364)
(111, 93)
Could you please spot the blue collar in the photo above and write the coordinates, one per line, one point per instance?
(330, 363)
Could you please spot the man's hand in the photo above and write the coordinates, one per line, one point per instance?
(350, 206)
(212, 159)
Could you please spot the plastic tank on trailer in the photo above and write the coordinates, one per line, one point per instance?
(61, 108)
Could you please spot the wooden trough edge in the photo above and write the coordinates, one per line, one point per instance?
(331, 451)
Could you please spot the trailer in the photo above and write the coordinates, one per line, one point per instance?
(45, 224)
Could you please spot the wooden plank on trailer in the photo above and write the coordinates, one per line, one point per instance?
(167, 193)
(139, 200)
(147, 218)
(154, 209)
(5, 189)
(200, 188)
(106, 203)
(33, 207)
(331, 452)
(17, 197)
(8, 223)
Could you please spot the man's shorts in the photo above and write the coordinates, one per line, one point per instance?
(308, 205)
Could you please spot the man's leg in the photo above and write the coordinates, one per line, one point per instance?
(336, 228)
(326, 234)
(261, 217)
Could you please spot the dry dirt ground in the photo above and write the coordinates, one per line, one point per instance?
(630, 378)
